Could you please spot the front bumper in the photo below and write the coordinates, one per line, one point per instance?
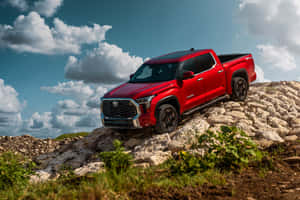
(116, 122)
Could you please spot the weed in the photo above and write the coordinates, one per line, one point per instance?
(15, 170)
(117, 161)
(229, 149)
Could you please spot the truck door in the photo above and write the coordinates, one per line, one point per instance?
(213, 75)
(192, 89)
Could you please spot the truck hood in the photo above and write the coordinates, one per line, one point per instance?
(137, 90)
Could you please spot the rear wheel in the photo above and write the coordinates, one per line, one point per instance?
(167, 119)
(239, 89)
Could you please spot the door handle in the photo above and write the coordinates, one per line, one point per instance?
(199, 79)
(220, 71)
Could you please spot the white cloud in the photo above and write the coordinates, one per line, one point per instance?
(106, 64)
(20, 4)
(77, 89)
(9, 102)
(278, 57)
(47, 7)
(260, 75)
(90, 120)
(83, 114)
(31, 34)
(61, 121)
(94, 101)
(40, 121)
(10, 110)
(274, 20)
(68, 116)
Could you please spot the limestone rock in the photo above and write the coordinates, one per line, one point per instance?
(271, 135)
(264, 143)
(220, 119)
(92, 167)
(292, 160)
(291, 138)
(237, 114)
(295, 123)
(40, 176)
(295, 131)
(132, 142)
(277, 123)
(176, 146)
(159, 158)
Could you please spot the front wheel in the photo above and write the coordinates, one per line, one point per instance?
(239, 89)
(167, 119)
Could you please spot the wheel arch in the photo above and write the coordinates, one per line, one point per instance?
(240, 73)
(172, 100)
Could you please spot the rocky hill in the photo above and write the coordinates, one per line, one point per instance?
(270, 114)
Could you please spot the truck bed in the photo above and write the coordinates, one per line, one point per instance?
(229, 57)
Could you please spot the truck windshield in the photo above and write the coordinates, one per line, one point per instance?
(149, 73)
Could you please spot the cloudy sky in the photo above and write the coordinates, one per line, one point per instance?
(58, 57)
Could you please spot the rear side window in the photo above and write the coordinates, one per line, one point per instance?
(199, 64)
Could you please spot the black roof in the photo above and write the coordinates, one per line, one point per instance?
(175, 55)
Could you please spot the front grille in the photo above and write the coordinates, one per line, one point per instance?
(119, 123)
(119, 109)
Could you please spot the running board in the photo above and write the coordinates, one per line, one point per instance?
(206, 104)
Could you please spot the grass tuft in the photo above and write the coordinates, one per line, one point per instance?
(71, 135)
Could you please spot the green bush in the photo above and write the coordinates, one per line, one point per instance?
(14, 170)
(229, 149)
(185, 164)
(116, 161)
(226, 150)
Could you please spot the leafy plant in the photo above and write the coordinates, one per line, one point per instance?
(117, 161)
(229, 149)
(14, 170)
(186, 163)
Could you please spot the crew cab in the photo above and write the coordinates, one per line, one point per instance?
(165, 88)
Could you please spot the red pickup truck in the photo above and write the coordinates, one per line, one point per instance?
(168, 87)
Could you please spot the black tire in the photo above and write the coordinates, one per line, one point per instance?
(239, 89)
(167, 119)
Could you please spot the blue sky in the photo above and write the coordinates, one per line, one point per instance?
(59, 56)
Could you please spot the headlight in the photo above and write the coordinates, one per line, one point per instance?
(145, 100)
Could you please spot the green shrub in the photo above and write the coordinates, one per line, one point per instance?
(14, 170)
(71, 135)
(226, 150)
(229, 149)
(116, 161)
(185, 164)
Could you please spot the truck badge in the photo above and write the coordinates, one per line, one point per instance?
(115, 104)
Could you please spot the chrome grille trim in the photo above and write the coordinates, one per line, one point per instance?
(134, 120)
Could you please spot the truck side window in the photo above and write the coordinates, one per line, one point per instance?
(191, 65)
(199, 64)
(205, 62)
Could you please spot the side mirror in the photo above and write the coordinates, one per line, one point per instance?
(131, 75)
(187, 75)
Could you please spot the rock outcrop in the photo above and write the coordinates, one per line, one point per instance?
(271, 113)
(31, 147)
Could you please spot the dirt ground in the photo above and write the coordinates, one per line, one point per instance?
(282, 182)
